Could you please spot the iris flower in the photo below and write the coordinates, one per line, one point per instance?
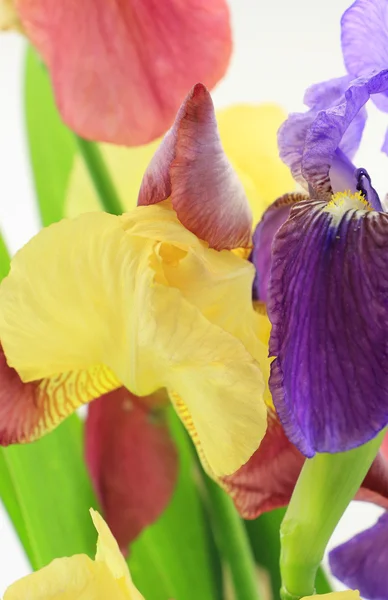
(142, 301)
(109, 61)
(131, 459)
(327, 287)
(117, 308)
(78, 576)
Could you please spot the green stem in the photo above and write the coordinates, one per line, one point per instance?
(326, 485)
(234, 543)
(100, 176)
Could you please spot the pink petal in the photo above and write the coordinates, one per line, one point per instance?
(132, 461)
(191, 167)
(121, 69)
(268, 479)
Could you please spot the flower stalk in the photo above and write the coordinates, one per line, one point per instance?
(327, 483)
(100, 176)
(234, 543)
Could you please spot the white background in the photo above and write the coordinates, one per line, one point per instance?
(281, 47)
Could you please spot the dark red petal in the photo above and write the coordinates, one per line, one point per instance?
(268, 479)
(191, 167)
(132, 461)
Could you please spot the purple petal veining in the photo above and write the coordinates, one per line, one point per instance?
(328, 306)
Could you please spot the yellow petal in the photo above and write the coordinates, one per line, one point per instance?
(109, 553)
(249, 137)
(126, 166)
(74, 578)
(143, 296)
(9, 18)
(349, 595)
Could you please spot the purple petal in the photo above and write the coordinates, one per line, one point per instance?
(364, 185)
(342, 173)
(328, 307)
(362, 563)
(292, 134)
(328, 128)
(271, 221)
(364, 38)
(384, 147)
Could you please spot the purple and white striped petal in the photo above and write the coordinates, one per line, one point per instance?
(328, 304)
(362, 562)
(364, 38)
(191, 167)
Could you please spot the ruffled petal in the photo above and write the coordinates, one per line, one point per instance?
(327, 305)
(191, 167)
(74, 577)
(28, 410)
(325, 133)
(364, 38)
(121, 69)
(261, 256)
(293, 133)
(145, 297)
(362, 562)
(132, 461)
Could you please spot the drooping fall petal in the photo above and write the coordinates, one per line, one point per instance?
(132, 461)
(28, 410)
(120, 70)
(145, 297)
(329, 380)
(190, 166)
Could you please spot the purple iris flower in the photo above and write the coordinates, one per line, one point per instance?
(327, 295)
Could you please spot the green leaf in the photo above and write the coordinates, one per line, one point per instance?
(4, 259)
(51, 144)
(172, 558)
(47, 493)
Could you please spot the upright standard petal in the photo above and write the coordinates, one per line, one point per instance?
(120, 69)
(327, 305)
(293, 133)
(143, 296)
(190, 166)
(362, 562)
(326, 132)
(364, 38)
(131, 459)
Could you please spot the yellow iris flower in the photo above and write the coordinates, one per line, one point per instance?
(138, 300)
(75, 577)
